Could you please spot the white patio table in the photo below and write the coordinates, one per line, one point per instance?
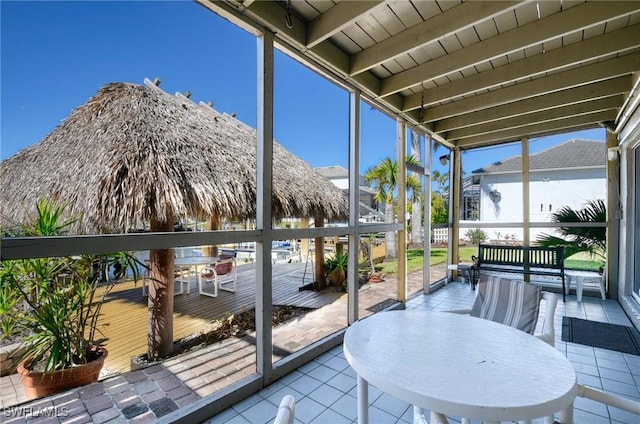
(185, 262)
(459, 366)
(579, 277)
(194, 262)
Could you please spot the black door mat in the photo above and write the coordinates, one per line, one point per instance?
(598, 334)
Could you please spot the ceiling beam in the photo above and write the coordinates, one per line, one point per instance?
(437, 27)
(336, 19)
(584, 93)
(537, 129)
(563, 112)
(593, 48)
(536, 32)
(537, 87)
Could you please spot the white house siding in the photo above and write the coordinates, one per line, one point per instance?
(551, 189)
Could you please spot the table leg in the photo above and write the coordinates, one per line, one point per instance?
(566, 415)
(363, 401)
(418, 415)
(579, 288)
(438, 418)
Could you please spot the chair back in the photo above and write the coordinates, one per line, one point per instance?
(224, 266)
(510, 302)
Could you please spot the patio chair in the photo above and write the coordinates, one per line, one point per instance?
(222, 273)
(286, 411)
(514, 303)
(182, 276)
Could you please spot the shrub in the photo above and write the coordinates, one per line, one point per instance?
(476, 235)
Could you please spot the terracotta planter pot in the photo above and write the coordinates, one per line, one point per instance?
(38, 384)
(337, 277)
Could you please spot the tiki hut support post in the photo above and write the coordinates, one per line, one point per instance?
(212, 224)
(319, 248)
(160, 324)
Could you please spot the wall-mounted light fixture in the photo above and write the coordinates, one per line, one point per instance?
(495, 196)
(612, 153)
(444, 159)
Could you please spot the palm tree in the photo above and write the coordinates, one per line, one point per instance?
(442, 181)
(383, 176)
(579, 239)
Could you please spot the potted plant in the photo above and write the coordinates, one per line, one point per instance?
(335, 268)
(62, 298)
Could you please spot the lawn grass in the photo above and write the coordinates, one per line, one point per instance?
(415, 261)
(439, 256)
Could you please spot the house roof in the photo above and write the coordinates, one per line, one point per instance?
(333, 171)
(575, 153)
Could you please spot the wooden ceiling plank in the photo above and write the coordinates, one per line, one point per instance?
(606, 103)
(336, 19)
(616, 86)
(556, 82)
(390, 21)
(537, 129)
(551, 60)
(538, 31)
(435, 28)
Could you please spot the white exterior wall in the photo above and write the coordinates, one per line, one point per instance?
(553, 189)
(341, 183)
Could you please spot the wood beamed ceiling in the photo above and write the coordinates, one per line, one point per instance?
(472, 73)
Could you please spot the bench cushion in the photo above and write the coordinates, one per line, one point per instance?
(507, 301)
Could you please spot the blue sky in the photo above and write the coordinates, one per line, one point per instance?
(56, 55)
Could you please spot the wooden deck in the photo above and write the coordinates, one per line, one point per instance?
(124, 315)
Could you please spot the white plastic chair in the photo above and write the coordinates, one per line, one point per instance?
(222, 273)
(286, 411)
(551, 301)
(182, 276)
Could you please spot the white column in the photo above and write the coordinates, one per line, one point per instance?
(426, 269)
(526, 200)
(354, 205)
(401, 238)
(264, 160)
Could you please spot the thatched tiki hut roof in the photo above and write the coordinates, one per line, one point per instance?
(134, 153)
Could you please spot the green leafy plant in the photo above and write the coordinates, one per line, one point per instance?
(10, 312)
(64, 296)
(575, 239)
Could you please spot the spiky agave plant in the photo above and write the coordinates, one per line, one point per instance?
(575, 239)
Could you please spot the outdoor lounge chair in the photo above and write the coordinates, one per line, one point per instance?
(222, 273)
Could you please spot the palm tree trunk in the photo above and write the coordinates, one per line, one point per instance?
(390, 236)
(160, 324)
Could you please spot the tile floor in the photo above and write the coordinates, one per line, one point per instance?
(325, 388)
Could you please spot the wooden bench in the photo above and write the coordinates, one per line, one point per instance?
(526, 260)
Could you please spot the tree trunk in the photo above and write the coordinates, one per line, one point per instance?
(212, 224)
(161, 278)
(390, 237)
